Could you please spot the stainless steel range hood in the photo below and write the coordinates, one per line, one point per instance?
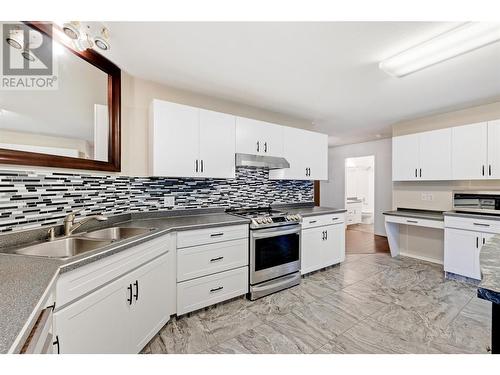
(258, 161)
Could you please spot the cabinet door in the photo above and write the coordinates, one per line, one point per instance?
(469, 151)
(98, 323)
(485, 237)
(334, 245)
(174, 139)
(217, 144)
(317, 150)
(249, 134)
(494, 149)
(460, 251)
(272, 139)
(152, 291)
(435, 155)
(296, 152)
(311, 252)
(405, 157)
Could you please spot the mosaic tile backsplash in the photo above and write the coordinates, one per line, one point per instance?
(33, 199)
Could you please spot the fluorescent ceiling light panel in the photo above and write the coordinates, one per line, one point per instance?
(462, 39)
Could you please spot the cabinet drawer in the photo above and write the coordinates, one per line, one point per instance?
(482, 225)
(74, 284)
(211, 235)
(205, 291)
(205, 260)
(416, 222)
(320, 220)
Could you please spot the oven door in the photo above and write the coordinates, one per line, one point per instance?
(274, 252)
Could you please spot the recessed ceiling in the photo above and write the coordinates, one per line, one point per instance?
(325, 72)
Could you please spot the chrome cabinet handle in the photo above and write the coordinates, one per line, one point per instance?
(196, 165)
(489, 170)
(477, 242)
(326, 235)
(216, 234)
(216, 259)
(312, 221)
(483, 170)
(201, 162)
(412, 221)
(420, 172)
(258, 146)
(216, 289)
(265, 146)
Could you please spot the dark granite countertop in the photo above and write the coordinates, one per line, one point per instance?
(417, 214)
(26, 281)
(489, 258)
(25, 284)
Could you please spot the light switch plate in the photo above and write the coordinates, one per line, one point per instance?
(169, 201)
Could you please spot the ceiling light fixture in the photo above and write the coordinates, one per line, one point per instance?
(102, 40)
(72, 29)
(462, 39)
(15, 38)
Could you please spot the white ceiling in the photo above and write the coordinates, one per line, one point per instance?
(326, 73)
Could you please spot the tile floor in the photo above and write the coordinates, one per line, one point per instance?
(372, 303)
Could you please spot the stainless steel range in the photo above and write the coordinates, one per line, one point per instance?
(274, 250)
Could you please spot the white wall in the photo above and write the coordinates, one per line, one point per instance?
(333, 190)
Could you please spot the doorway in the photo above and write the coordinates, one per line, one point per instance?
(360, 206)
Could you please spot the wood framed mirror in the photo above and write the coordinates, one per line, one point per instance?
(77, 124)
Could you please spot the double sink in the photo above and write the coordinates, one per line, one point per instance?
(80, 243)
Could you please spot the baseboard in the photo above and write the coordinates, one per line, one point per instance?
(427, 259)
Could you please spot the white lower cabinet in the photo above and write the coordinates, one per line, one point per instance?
(120, 317)
(212, 266)
(322, 246)
(461, 251)
(205, 291)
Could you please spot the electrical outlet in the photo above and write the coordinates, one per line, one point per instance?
(427, 197)
(169, 201)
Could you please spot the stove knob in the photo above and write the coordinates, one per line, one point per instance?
(254, 221)
(269, 220)
(259, 220)
(296, 217)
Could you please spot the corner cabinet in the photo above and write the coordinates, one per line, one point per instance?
(186, 141)
(307, 153)
(116, 314)
(323, 242)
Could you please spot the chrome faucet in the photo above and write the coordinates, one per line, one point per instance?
(70, 225)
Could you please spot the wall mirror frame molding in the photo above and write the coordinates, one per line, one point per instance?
(114, 114)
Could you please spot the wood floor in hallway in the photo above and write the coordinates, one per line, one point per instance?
(361, 241)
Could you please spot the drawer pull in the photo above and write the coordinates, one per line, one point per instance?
(482, 224)
(334, 218)
(216, 259)
(312, 221)
(412, 221)
(216, 289)
(216, 234)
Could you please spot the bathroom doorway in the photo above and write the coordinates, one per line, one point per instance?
(360, 193)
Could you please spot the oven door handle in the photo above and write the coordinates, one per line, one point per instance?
(264, 233)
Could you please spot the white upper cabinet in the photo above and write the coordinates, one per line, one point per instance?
(307, 153)
(405, 155)
(258, 137)
(494, 149)
(190, 142)
(422, 156)
(174, 139)
(217, 148)
(470, 151)
(435, 155)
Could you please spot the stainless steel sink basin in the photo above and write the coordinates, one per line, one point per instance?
(116, 233)
(63, 248)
